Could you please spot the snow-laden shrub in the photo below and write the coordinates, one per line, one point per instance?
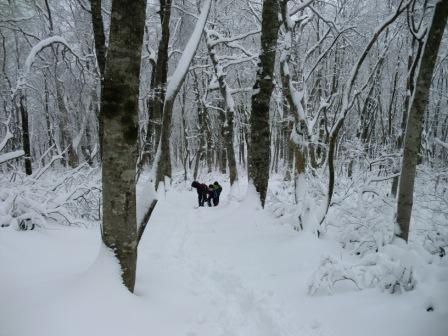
(382, 270)
(389, 272)
(280, 197)
(329, 272)
(71, 197)
(364, 223)
(296, 205)
(362, 213)
(430, 210)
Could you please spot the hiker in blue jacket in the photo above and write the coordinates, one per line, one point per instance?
(216, 192)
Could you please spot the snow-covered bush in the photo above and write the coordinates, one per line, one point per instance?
(389, 273)
(430, 211)
(329, 272)
(282, 200)
(386, 270)
(361, 219)
(70, 197)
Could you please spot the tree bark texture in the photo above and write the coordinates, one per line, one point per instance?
(164, 163)
(415, 118)
(229, 111)
(159, 83)
(67, 141)
(25, 135)
(98, 32)
(260, 143)
(119, 133)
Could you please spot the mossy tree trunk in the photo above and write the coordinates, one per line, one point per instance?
(119, 133)
(259, 151)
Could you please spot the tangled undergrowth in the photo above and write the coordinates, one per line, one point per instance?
(70, 197)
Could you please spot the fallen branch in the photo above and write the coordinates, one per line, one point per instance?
(11, 155)
(145, 220)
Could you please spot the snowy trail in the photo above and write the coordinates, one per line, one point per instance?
(234, 308)
(225, 271)
(223, 255)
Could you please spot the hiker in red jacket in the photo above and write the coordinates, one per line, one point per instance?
(203, 193)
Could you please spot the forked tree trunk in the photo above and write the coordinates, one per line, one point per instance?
(259, 152)
(415, 117)
(119, 133)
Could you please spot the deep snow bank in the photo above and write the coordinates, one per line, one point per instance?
(230, 270)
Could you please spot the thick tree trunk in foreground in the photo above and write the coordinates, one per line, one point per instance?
(259, 152)
(415, 118)
(119, 133)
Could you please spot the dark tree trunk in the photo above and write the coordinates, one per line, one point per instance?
(331, 157)
(119, 133)
(98, 32)
(417, 108)
(210, 146)
(412, 67)
(25, 134)
(158, 87)
(260, 142)
(202, 125)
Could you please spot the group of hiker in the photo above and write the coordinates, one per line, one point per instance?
(207, 193)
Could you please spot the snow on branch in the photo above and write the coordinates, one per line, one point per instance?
(354, 72)
(388, 270)
(188, 54)
(219, 39)
(441, 143)
(183, 10)
(302, 6)
(10, 156)
(69, 198)
(16, 20)
(8, 135)
(237, 60)
(45, 43)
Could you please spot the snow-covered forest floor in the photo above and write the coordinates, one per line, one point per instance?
(230, 270)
